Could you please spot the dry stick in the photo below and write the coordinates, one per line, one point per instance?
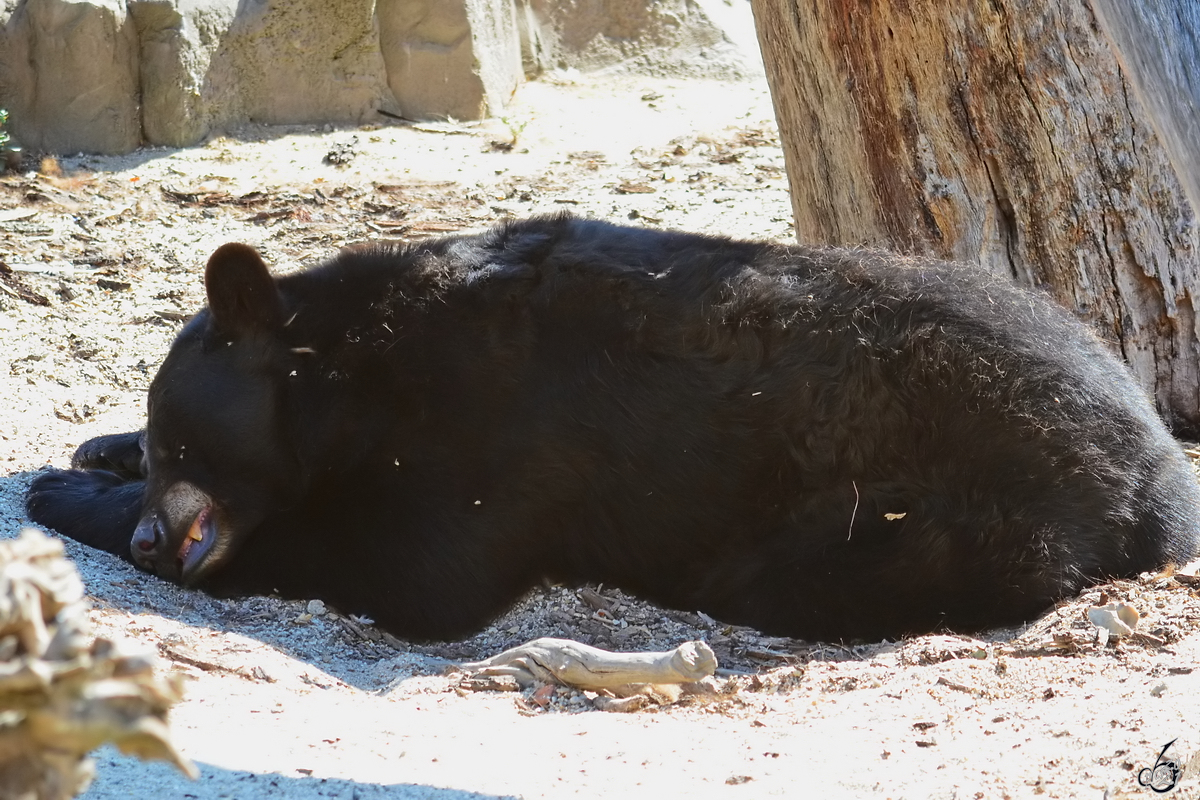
(853, 513)
(549, 660)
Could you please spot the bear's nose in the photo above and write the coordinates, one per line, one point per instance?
(148, 539)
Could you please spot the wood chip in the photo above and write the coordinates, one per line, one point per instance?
(958, 687)
(12, 284)
(489, 683)
(594, 599)
(14, 214)
(621, 705)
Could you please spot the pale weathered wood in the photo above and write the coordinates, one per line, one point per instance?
(549, 660)
(995, 131)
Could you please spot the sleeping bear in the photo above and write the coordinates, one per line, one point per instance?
(825, 444)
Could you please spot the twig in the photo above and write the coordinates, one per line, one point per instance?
(853, 513)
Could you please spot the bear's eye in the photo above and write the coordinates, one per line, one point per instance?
(163, 453)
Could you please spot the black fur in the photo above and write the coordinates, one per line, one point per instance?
(98, 507)
(820, 443)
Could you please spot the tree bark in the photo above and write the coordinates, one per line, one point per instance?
(1003, 132)
(1166, 81)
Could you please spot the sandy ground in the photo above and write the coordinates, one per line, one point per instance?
(104, 258)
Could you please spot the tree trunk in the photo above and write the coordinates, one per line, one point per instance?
(1002, 132)
(1158, 45)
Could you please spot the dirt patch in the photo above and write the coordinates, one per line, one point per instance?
(289, 700)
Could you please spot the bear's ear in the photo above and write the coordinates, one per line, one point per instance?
(242, 296)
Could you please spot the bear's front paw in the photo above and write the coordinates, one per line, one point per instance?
(64, 488)
(96, 507)
(117, 452)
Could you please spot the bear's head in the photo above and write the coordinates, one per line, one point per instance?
(218, 458)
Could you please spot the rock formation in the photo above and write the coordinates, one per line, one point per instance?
(108, 76)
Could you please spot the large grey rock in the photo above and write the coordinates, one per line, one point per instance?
(315, 61)
(688, 38)
(70, 77)
(215, 64)
(450, 59)
(178, 39)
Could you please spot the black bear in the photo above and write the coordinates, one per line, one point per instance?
(818, 443)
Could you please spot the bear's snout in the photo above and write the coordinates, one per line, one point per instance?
(148, 540)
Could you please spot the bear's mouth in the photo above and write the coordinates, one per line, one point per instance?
(198, 543)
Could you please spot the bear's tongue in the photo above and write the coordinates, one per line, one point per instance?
(199, 537)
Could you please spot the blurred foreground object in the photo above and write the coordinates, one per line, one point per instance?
(64, 692)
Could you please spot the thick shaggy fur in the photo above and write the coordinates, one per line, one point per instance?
(819, 443)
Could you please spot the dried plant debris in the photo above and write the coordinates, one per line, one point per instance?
(11, 284)
(342, 153)
(935, 649)
(1157, 609)
(1166, 603)
(64, 693)
(1153, 611)
(613, 620)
